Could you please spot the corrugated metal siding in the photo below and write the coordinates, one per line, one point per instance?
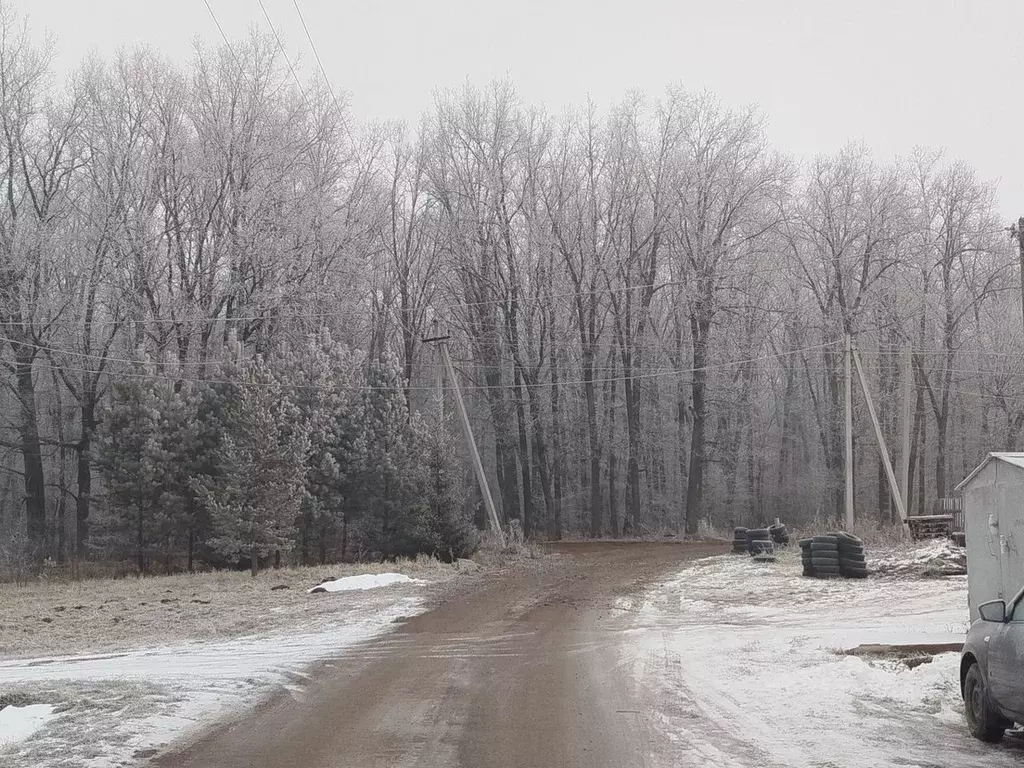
(980, 497)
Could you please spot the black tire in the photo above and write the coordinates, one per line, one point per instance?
(819, 546)
(826, 539)
(845, 538)
(983, 721)
(758, 534)
(852, 550)
(816, 564)
(853, 565)
(853, 574)
(738, 531)
(822, 574)
(804, 543)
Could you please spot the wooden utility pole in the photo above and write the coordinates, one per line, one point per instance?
(478, 466)
(894, 488)
(1020, 255)
(905, 442)
(848, 413)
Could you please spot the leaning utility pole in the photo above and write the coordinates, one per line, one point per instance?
(848, 412)
(894, 488)
(478, 466)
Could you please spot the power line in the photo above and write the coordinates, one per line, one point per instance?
(316, 54)
(284, 53)
(399, 387)
(224, 36)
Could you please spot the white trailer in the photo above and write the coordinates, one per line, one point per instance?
(993, 503)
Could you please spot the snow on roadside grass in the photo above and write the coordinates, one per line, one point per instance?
(746, 655)
(120, 707)
(18, 723)
(101, 615)
(363, 581)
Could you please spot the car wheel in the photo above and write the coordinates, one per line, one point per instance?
(982, 719)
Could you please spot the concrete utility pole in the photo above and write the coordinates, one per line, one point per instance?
(905, 452)
(848, 412)
(478, 466)
(894, 488)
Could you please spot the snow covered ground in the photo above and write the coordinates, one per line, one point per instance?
(744, 658)
(18, 723)
(363, 581)
(111, 709)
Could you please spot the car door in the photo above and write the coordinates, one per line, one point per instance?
(1006, 660)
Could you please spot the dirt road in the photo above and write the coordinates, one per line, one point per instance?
(522, 672)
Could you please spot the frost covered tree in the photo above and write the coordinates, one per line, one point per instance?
(442, 493)
(392, 520)
(322, 376)
(256, 495)
(147, 434)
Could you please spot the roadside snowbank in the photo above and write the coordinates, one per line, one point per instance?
(363, 581)
(745, 657)
(18, 723)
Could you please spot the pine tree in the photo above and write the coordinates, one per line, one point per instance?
(146, 434)
(321, 373)
(260, 460)
(392, 520)
(443, 488)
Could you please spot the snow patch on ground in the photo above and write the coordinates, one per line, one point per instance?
(125, 705)
(18, 723)
(364, 581)
(935, 558)
(746, 657)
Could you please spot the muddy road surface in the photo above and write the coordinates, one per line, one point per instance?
(522, 671)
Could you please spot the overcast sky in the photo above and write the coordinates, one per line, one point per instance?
(892, 73)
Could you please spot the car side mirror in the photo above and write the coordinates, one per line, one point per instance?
(994, 611)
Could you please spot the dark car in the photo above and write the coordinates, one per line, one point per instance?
(992, 669)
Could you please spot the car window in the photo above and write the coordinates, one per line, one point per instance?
(1016, 611)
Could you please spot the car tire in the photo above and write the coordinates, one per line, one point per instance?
(983, 721)
(821, 547)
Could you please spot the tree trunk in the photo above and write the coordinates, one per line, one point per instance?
(524, 457)
(83, 502)
(695, 480)
(633, 462)
(31, 452)
(558, 443)
(595, 441)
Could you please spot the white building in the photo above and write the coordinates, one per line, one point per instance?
(993, 501)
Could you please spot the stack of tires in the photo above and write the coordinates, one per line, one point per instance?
(739, 541)
(825, 556)
(805, 556)
(779, 534)
(759, 542)
(852, 564)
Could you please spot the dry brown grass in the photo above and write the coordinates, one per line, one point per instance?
(57, 618)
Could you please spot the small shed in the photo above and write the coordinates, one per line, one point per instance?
(993, 504)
